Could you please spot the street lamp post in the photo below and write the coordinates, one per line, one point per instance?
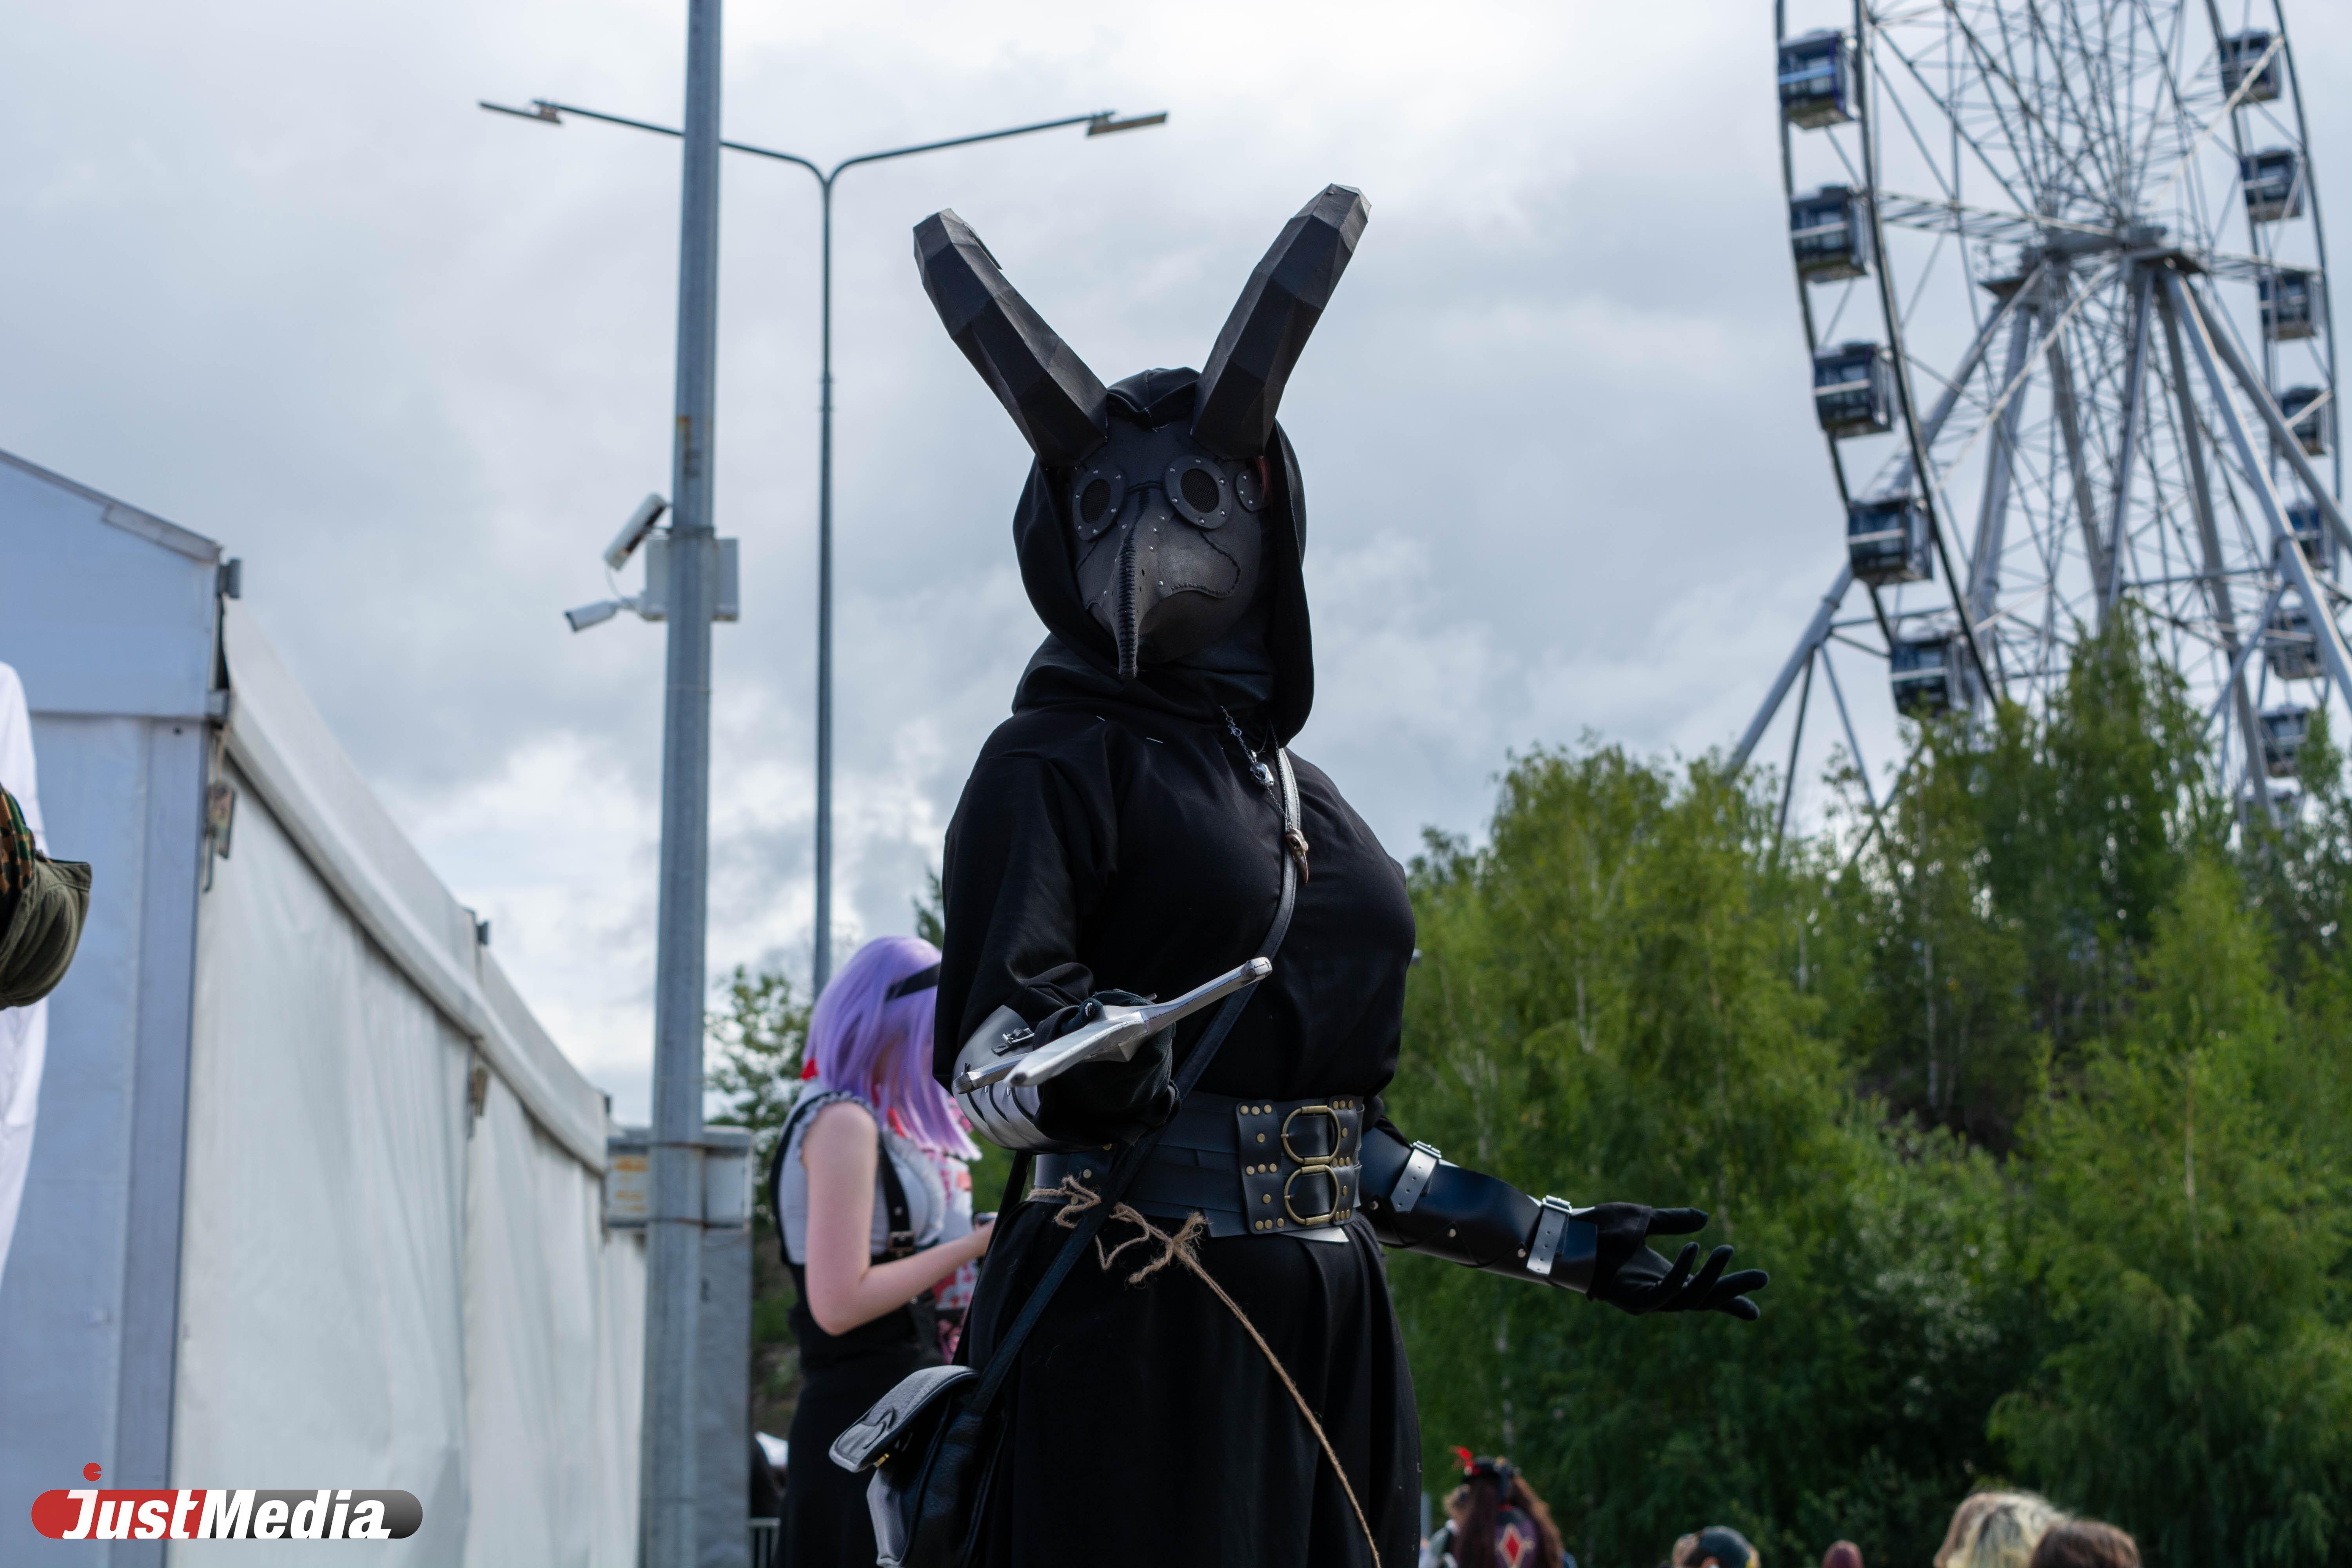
(669, 1482)
(1101, 123)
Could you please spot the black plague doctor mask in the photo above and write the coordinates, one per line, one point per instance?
(1163, 522)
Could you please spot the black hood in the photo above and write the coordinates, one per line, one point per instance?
(1266, 663)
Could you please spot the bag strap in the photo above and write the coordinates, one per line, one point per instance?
(1138, 1153)
(902, 1234)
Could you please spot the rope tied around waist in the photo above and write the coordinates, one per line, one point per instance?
(1184, 1247)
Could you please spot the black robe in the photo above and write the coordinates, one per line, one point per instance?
(1111, 837)
(1098, 845)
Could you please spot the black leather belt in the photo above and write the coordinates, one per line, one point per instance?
(1250, 1166)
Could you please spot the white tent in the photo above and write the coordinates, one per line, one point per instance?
(313, 1201)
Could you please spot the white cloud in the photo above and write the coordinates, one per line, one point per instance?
(278, 279)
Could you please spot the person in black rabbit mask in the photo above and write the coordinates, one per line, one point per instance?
(1123, 834)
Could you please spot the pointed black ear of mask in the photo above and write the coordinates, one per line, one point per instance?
(1062, 409)
(1241, 385)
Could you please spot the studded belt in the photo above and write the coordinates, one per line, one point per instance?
(1249, 1166)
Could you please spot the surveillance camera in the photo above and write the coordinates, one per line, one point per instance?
(633, 532)
(595, 614)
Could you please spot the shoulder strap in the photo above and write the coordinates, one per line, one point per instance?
(1138, 1153)
(900, 1242)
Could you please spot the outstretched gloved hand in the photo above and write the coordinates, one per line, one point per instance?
(1108, 1102)
(1629, 1275)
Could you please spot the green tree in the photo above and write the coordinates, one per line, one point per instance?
(757, 1038)
(1606, 1008)
(2300, 874)
(759, 1034)
(2013, 883)
(1940, 1027)
(2089, 810)
(2190, 1245)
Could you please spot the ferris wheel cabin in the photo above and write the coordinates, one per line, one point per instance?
(2310, 530)
(1830, 234)
(1853, 389)
(2288, 646)
(2284, 730)
(1925, 675)
(2291, 306)
(1817, 79)
(1886, 541)
(2273, 179)
(2241, 52)
(2306, 417)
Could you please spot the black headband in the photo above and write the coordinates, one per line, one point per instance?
(1498, 1469)
(921, 980)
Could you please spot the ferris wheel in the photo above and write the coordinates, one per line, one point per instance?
(2062, 274)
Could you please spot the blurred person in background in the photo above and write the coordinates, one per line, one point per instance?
(871, 1187)
(1996, 1530)
(2084, 1544)
(1495, 1520)
(1716, 1546)
(1842, 1554)
(42, 904)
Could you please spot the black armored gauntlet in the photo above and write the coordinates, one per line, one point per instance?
(1417, 1200)
(1422, 1202)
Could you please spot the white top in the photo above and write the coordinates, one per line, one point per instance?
(939, 1189)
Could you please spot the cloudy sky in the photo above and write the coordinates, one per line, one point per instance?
(275, 277)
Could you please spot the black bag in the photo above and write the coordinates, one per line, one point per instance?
(931, 1442)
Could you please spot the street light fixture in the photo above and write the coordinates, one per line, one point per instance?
(1102, 122)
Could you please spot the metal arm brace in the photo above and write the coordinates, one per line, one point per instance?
(1427, 1204)
(1004, 1115)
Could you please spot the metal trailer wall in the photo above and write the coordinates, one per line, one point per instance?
(392, 1270)
(108, 614)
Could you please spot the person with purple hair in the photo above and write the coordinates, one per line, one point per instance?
(872, 1194)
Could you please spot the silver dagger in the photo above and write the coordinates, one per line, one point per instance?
(1118, 1034)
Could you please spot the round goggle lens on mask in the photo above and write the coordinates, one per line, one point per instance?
(1095, 491)
(1196, 488)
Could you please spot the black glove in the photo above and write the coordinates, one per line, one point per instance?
(1106, 1101)
(1628, 1275)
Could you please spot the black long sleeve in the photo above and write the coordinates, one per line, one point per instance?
(1112, 847)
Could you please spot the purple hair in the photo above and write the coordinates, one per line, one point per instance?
(862, 1040)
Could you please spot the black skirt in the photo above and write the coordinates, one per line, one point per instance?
(825, 1524)
(1145, 1428)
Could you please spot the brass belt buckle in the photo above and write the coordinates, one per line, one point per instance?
(1340, 1195)
(1339, 1130)
(1330, 1165)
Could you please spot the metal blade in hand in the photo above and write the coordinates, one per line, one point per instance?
(1120, 1030)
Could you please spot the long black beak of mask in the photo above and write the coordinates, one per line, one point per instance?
(1166, 536)
(1134, 599)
